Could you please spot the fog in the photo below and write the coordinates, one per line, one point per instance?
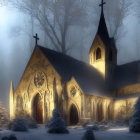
(16, 45)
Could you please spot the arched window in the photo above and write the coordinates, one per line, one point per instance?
(98, 53)
(110, 57)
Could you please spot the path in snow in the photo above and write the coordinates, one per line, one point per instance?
(75, 134)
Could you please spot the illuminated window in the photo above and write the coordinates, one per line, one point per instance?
(98, 53)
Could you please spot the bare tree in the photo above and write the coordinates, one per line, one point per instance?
(116, 12)
(55, 18)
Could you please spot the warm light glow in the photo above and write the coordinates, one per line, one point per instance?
(98, 64)
(11, 102)
(124, 108)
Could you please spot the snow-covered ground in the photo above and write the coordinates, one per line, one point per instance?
(119, 133)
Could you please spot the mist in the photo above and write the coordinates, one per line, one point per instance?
(17, 42)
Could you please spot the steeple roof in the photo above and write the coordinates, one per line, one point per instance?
(102, 29)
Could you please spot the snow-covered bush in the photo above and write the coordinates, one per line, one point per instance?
(135, 120)
(11, 137)
(3, 116)
(57, 124)
(19, 124)
(88, 134)
(30, 121)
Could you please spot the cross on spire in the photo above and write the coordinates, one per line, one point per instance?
(102, 4)
(36, 39)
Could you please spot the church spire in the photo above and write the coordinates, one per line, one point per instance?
(102, 28)
(11, 105)
(103, 54)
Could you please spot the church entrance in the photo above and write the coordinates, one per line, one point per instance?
(37, 109)
(73, 115)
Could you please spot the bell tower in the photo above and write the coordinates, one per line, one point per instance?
(103, 53)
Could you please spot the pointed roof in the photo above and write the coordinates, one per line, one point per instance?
(102, 29)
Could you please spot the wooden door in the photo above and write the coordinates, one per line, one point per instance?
(37, 109)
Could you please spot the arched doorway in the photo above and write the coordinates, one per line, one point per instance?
(110, 110)
(99, 112)
(37, 109)
(73, 115)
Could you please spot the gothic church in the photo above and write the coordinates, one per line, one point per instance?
(101, 90)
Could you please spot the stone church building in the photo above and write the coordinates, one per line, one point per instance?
(100, 90)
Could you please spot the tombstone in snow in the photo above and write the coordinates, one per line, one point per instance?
(135, 121)
(88, 134)
(57, 124)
